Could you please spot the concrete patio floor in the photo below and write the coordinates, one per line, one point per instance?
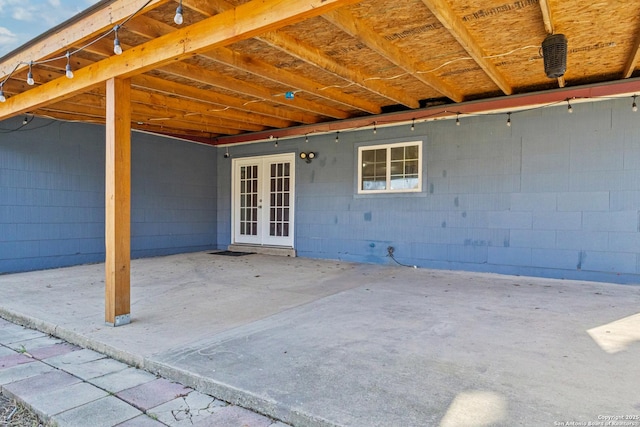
(325, 343)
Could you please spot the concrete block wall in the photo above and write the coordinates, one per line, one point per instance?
(554, 195)
(52, 195)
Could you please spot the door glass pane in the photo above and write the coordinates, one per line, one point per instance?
(279, 197)
(248, 200)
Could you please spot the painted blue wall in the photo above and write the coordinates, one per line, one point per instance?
(554, 195)
(52, 195)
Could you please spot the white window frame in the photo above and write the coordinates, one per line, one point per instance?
(388, 147)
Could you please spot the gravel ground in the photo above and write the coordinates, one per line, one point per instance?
(12, 414)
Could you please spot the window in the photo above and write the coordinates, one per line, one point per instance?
(390, 168)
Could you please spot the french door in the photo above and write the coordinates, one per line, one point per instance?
(263, 200)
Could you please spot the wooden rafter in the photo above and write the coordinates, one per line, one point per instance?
(283, 76)
(213, 78)
(95, 24)
(150, 28)
(318, 58)
(314, 56)
(455, 25)
(185, 91)
(348, 23)
(633, 59)
(246, 21)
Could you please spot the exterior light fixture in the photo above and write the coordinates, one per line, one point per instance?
(509, 119)
(307, 157)
(569, 107)
(634, 106)
(457, 119)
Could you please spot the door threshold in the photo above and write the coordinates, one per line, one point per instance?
(265, 250)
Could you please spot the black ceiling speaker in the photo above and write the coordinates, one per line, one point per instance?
(554, 53)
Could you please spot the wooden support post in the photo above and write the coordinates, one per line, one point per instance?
(118, 202)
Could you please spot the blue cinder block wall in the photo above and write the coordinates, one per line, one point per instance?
(554, 195)
(52, 195)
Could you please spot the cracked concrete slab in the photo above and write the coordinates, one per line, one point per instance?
(326, 343)
(187, 410)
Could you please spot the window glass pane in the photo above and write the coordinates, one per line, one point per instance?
(411, 152)
(397, 168)
(368, 156)
(397, 153)
(411, 167)
(381, 155)
(374, 184)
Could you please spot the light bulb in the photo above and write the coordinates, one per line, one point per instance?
(375, 128)
(569, 108)
(509, 120)
(69, 71)
(2, 97)
(457, 121)
(117, 49)
(413, 124)
(634, 106)
(337, 137)
(30, 80)
(178, 19)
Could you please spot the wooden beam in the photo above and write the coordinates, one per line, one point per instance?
(216, 79)
(634, 56)
(150, 28)
(316, 57)
(164, 86)
(547, 17)
(118, 203)
(94, 24)
(452, 22)
(348, 23)
(245, 21)
(290, 79)
(313, 56)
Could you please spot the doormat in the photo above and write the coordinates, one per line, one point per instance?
(231, 253)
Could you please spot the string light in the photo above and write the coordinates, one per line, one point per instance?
(117, 49)
(457, 119)
(509, 119)
(178, 19)
(276, 143)
(634, 106)
(375, 128)
(30, 80)
(69, 71)
(2, 97)
(306, 138)
(337, 137)
(569, 107)
(413, 124)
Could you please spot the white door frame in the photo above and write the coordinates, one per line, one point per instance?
(266, 233)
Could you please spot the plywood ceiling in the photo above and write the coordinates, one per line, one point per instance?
(354, 59)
